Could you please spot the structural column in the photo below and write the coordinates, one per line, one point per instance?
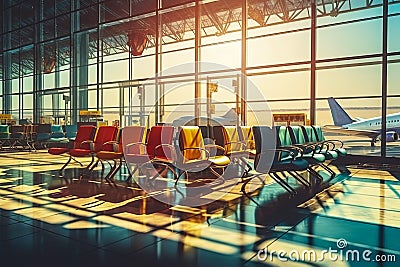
(384, 75)
(38, 74)
(197, 53)
(79, 65)
(313, 60)
(243, 87)
(7, 64)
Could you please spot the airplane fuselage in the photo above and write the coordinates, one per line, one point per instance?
(375, 124)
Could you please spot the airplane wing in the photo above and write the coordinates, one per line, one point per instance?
(352, 132)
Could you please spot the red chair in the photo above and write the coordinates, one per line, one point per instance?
(85, 132)
(87, 148)
(127, 135)
(157, 150)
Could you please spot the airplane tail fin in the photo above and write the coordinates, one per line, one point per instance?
(339, 115)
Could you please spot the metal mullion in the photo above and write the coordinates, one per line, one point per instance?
(313, 61)
(384, 76)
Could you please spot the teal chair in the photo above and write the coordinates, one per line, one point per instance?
(57, 134)
(4, 132)
(70, 131)
(4, 135)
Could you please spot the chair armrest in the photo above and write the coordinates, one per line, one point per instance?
(328, 144)
(131, 145)
(336, 141)
(114, 144)
(243, 145)
(90, 142)
(291, 149)
(215, 147)
(292, 153)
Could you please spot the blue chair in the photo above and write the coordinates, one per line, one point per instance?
(57, 135)
(4, 135)
(43, 133)
(273, 159)
(70, 131)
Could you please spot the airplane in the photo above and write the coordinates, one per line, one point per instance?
(229, 118)
(371, 127)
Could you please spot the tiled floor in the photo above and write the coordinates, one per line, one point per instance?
(46, 220)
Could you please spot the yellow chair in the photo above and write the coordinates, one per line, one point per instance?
(236, 147)
(194, 156)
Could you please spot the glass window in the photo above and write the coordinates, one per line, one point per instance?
(15, 86)
(355, 39)
(171, 3)
(88, 17)
(28, 101)
(142, 7)
(48, 9)
(63, 6)
(113, 10)
(28, 84)
(115, 70)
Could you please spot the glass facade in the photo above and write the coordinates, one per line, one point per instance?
(136, 61)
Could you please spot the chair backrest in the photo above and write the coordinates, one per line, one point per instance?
(235, 136)
(265, 139)
(309, 133)
(132, 134)
(222, 138)
(160, 135)
(71, 130)
(56, 131)
(318, 133)
(17, 131)
(246, 134)
(43, 132)
(207, 133)
(105, 134)
(4, 131)
(85, 132)
(190, 137)
(297, 134)
(284, 136)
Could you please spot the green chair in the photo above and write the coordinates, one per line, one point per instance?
(4, 135)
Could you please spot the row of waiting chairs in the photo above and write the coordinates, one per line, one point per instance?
(107, 143)
(296, 149)
(32, 135)
(191, 148)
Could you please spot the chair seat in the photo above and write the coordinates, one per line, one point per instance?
(239, 154)
(109, 155)
(58, 150)
(220, 160)
(77, 152)
(137, 158)
(341, 151)
(317, 157)
(4, 135)
(58, 140)
(284, 165)
(330, 154)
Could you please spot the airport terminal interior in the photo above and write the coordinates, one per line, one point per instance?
(199, 132)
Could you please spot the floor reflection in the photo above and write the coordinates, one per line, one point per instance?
(43, 215)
